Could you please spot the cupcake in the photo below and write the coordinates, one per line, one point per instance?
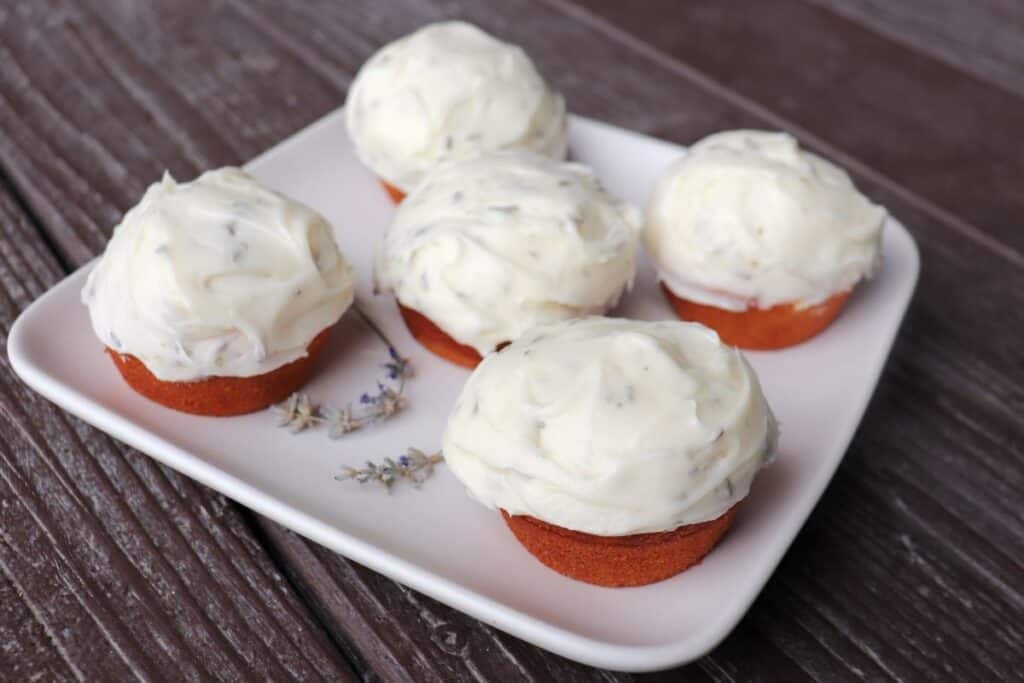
(448, 91)
(617, 451)
(488, 247)
(215, 296)
(759, 239)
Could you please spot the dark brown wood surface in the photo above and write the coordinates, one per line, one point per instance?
(911, 567)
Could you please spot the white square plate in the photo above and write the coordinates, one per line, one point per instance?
(436, 539)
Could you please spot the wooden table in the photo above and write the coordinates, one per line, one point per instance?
(910, 568)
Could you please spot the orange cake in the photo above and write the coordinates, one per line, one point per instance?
(486, 248)
(433, 338)
(221, 396)
(761, 329)
(759, 239)
(618, 561)
(618, 452)
(449, 91)
(396, 195)
(216, 296)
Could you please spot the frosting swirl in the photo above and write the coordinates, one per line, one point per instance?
(445, 92)
(217, 277)
(748, 218)
(611, 427)
(491, 246)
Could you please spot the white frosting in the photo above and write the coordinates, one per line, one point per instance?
(488, 247)
(612, 427)
(219, 276)
(445, 92)
(747, 218)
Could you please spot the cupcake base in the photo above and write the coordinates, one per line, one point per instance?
(221, 396)
(396, 195)
(761, 329)
(437, 341)
(618, 561)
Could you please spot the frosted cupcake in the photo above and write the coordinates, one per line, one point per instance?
(759, 239)
(488, 247)
(449, 91)
(215, 296)
(617, 451)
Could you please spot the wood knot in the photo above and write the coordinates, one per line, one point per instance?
(450, 640)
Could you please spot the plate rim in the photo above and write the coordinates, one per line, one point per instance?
(581, 648)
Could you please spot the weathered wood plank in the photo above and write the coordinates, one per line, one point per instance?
(982, 37)
(906, 570)
(26, 651)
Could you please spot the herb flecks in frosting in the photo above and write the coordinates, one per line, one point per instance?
(612, 427)
(532, 241)
(747, 218)
(447, 91)
(217, 277)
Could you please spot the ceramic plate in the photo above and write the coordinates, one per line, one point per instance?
(436, 539)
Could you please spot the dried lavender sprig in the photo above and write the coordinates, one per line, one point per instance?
(414, 466)
(299, 413)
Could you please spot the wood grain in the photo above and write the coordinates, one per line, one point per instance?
(26, 650)
(982, 37)
(908, 570)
